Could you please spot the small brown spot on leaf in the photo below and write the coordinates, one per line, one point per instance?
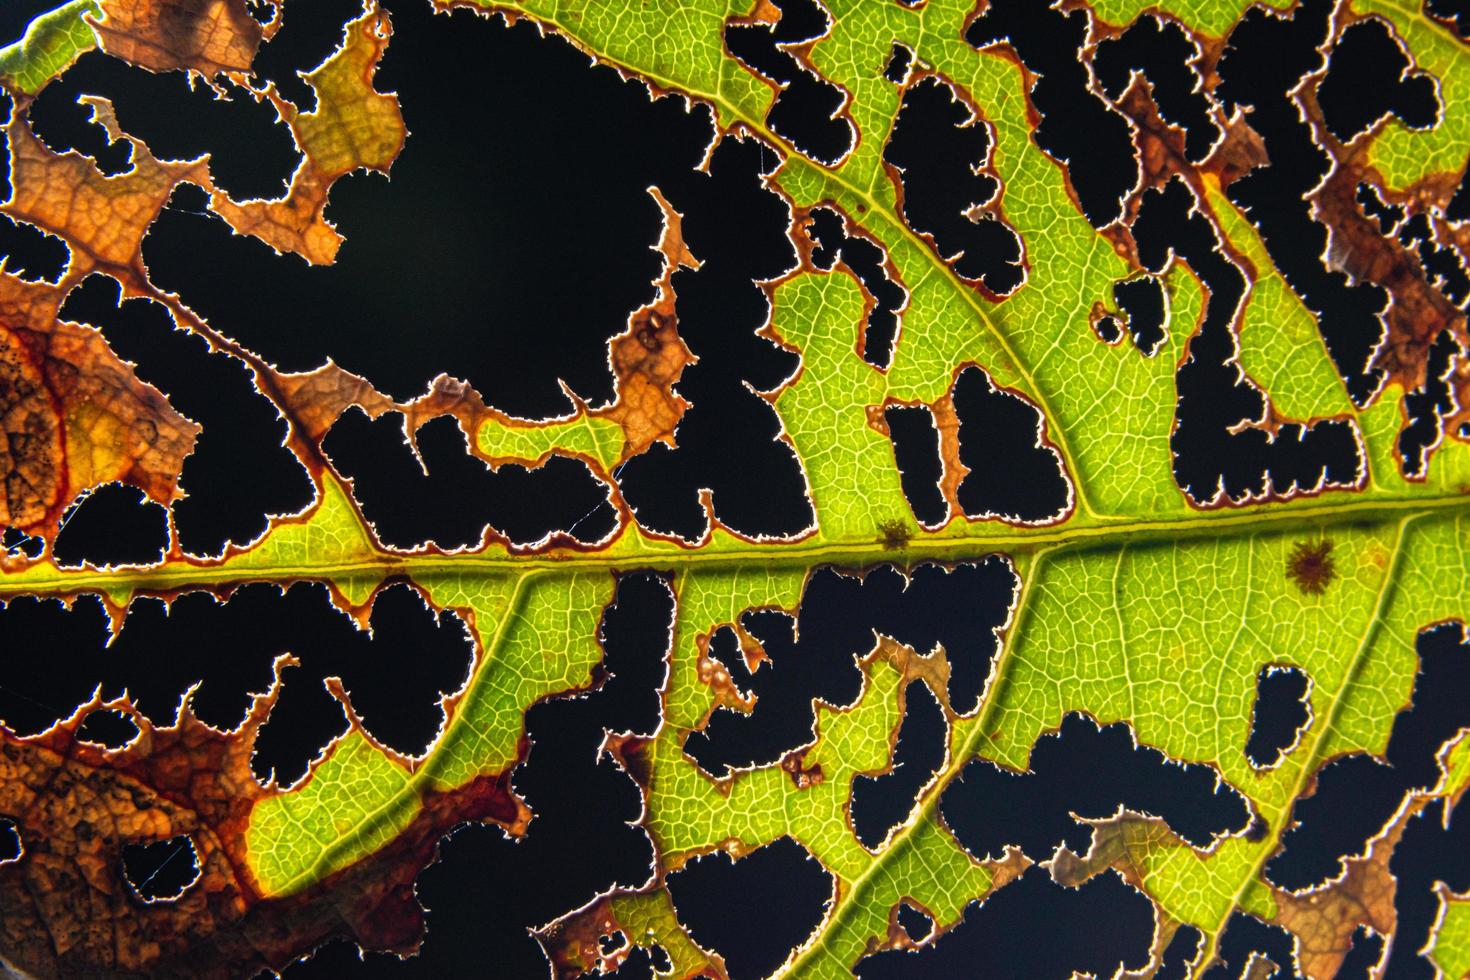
(1311, 567)
(894, 534)
(802, 778)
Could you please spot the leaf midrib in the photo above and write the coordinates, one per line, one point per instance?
(1076, 535)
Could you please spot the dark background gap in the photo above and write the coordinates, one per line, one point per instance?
(15, 15)
(542, 74)
(1099, 928)
(489, 255)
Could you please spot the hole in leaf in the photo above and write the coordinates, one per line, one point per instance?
(1280, 716)
(881, 802)
(1077, 127)
(11, 846)
(1357, 794)
(109, 728)
(1084, 771)
(940, 150)
(753, 910)
(916, 450)
(162, 870)
(1100, 928)
(112, 525)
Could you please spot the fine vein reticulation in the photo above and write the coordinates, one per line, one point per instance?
(635, 658)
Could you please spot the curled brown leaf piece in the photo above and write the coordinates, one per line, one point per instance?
(205, 36)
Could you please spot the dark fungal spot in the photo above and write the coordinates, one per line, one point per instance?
(1356, 795)
(1369, 77)
(894, 534)
(1077, 128)
(1280, 715)
(1311, 567)
(881, 802)
(448, 497)
(1014, 475)
(808, 110)
(1100, 928)
(109, 728)
(915, 440)
(939, 154)
(753, 910)
(989, 808)
(161, 871)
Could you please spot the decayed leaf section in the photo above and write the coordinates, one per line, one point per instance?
(646, 361)
(74, 415)
(353, 127)
(68, 907)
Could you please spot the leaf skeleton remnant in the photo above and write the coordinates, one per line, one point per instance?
(996, 469)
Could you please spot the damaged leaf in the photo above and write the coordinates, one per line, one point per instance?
(1114, 540)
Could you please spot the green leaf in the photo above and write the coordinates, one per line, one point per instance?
(1136, 607)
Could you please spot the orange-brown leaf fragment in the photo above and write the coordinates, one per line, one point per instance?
(1324, 920)
(206, 36)
(102, 219)
(1123, 843)
(353, 127)
(74, 415)
(649, 357)
(66, 908)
